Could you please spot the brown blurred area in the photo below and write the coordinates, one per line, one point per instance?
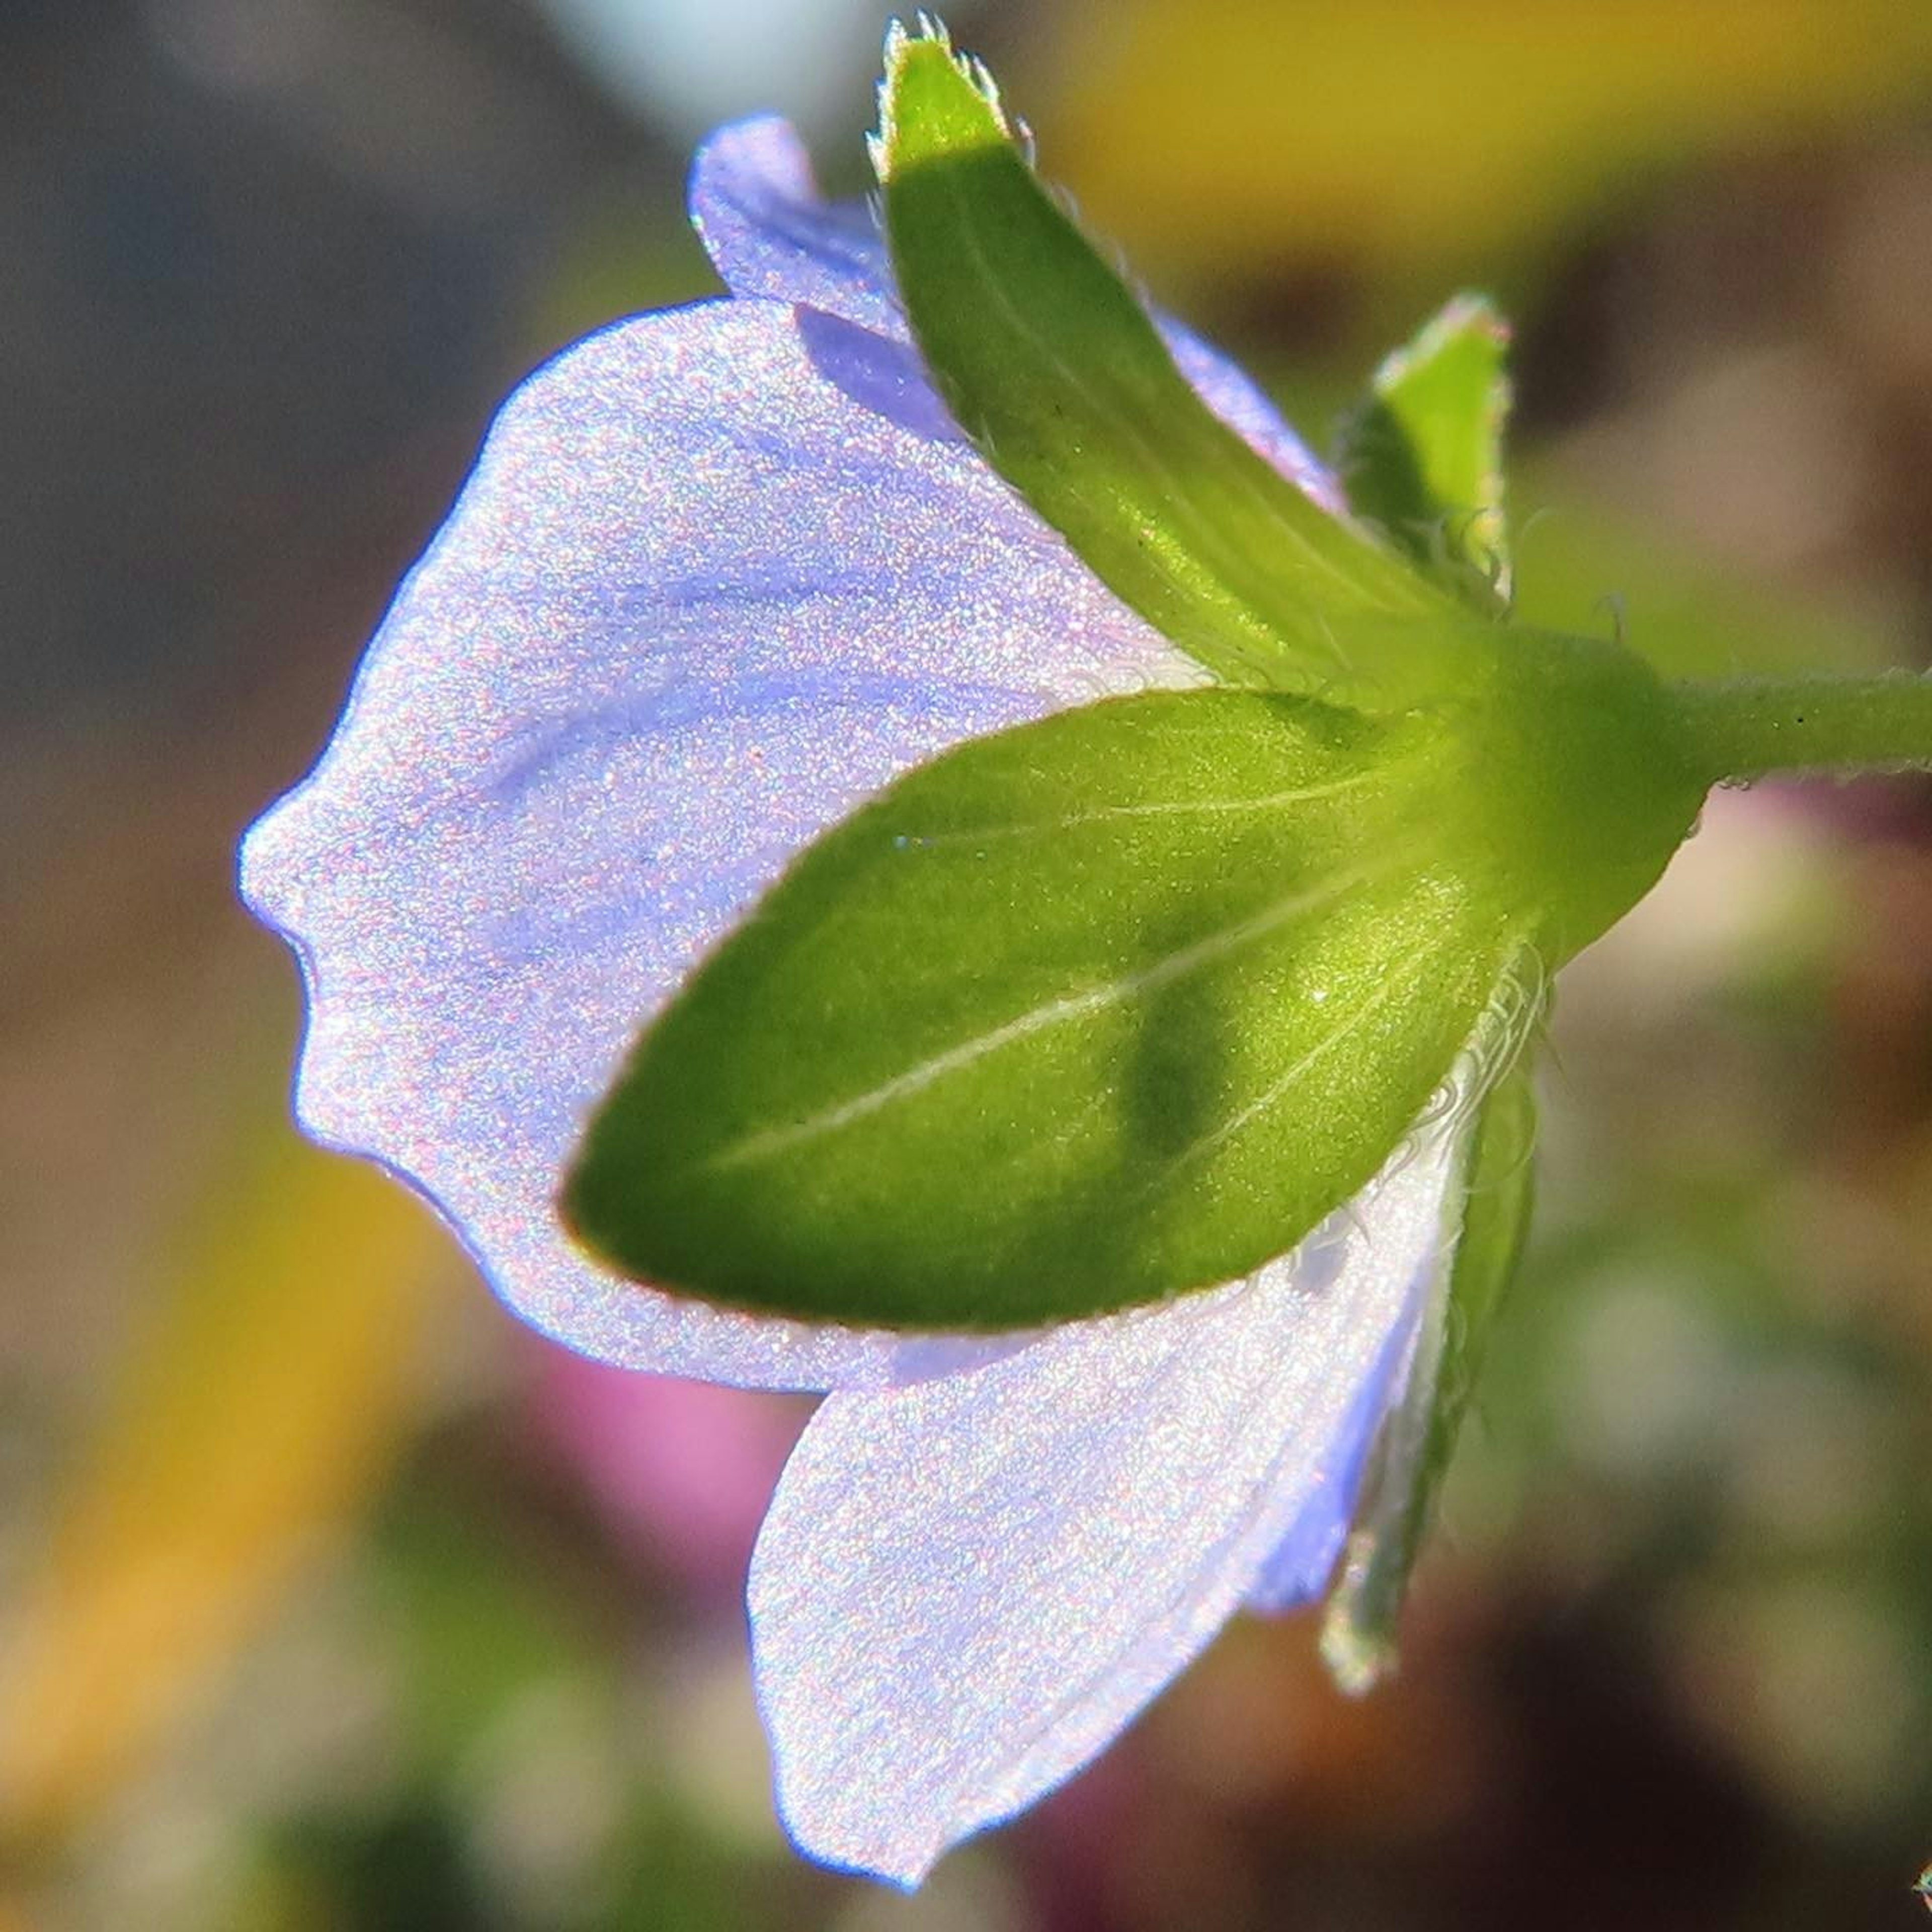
(324, 1599)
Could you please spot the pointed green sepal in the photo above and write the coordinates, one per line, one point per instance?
(1121, 1004)
(1359, 1628)
(1421, 455)
(1053, 367)
(1093, 1012)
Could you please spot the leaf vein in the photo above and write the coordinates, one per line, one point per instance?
(1155, 809)
(1176, 966)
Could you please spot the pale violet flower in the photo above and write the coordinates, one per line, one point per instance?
(720, 574)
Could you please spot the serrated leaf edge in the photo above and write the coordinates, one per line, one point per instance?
(901, 42)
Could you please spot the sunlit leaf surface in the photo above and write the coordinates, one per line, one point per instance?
(1100, 1009)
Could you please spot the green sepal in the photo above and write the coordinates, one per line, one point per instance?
(1421, 456)
(1091, 1012)
(1053, 367)
(1418, 1439)
(1122, 1004)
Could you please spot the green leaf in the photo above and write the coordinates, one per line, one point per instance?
(1106, 1008)
(1421, 456)
(1053, 366)
(1358, 1633)
(1120, 1004)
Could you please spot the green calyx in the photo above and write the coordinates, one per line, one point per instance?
(1124, 1004)
(1121, 1004)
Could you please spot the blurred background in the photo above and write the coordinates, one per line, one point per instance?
(330, 1599)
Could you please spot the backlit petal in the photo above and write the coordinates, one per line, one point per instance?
(1300, 1566)
(712, 582)
(965, 1589)
(756, 205)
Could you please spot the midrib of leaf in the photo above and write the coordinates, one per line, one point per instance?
(1165, 546)
(1203, 529)
(1392, 593)
(1278, 1088)
(1157, 808)
(1170, 970)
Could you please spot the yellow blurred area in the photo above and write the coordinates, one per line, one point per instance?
(263, 1402)
(1434, 131)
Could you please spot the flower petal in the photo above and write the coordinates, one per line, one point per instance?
(696, 602)
(963, 1590)
(1299, 1567)
(755, 204)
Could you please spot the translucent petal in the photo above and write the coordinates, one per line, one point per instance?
(965, 1590)
(710, 584)
(1299, 1567)
(755, 203)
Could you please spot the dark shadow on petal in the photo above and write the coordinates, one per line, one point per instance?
(886, 377)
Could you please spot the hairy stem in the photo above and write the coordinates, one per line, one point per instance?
(1748, 728)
